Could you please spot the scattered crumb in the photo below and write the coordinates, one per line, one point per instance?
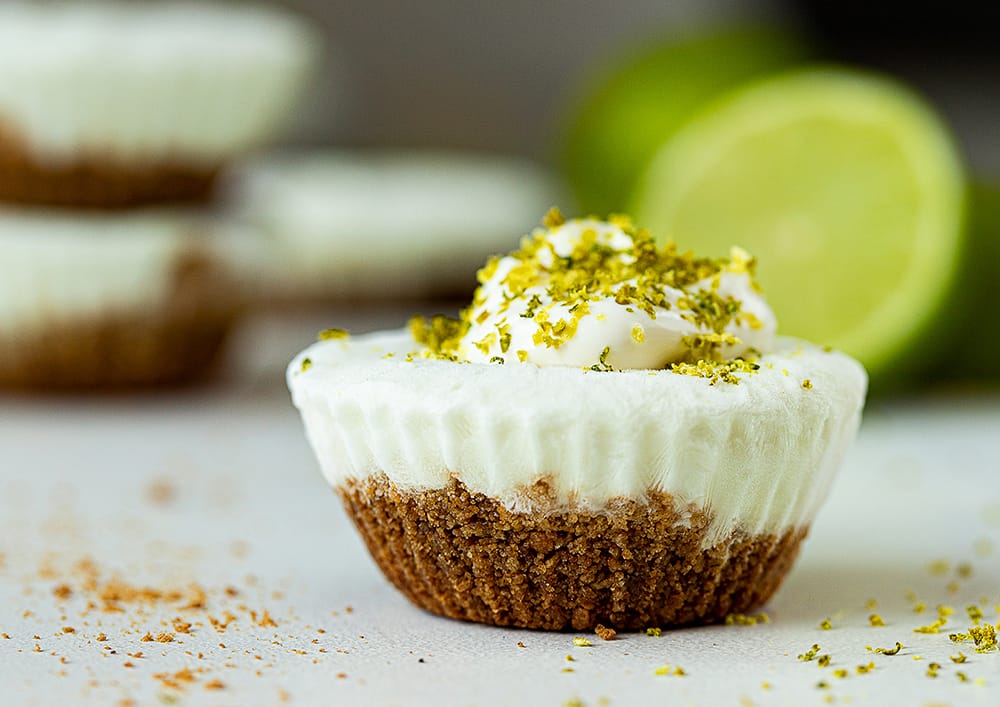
(605, 633)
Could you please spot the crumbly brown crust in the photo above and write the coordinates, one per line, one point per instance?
(177, 343)
(90, 181)
(640, 564)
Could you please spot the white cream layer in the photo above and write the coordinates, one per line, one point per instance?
(759, 456)
(59, 267)
(607, 323)
(192, 82)
(368, 223)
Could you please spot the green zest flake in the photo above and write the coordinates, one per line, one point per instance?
(306, 365)
(602, 362)
(329, 334)
(655, 632)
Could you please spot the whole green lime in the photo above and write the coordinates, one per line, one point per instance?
(638, 101)
(848, 188)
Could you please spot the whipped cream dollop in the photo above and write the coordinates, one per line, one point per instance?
(602, 294)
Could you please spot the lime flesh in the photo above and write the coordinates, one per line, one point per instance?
(846, 187)
(630, 109)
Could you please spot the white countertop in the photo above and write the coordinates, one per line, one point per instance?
(218, 487)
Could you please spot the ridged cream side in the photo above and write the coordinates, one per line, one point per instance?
(759, 455)
(57, 267)
(191, 82)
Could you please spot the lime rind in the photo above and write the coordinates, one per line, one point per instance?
(647, 92)
(879, 337)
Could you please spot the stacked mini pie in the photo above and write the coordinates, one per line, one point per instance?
(115, 120)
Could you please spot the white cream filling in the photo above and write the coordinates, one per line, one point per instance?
(635, 338)
(57, 267)
(187, 81)
(758, 456)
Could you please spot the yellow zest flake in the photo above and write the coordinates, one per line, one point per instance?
(569, 658)
(655, 632)
(825, 624)
(330, 334)
(824, 660)
(919, 608)
(807, 384)
(939, 567)
(765, 685)
(867, 668)
(306, 365)
(952, 587)
(840, 673)
(667, 669)
(747, 620)
(887, 651)
(963, 570)
(553, 218)
(810, 654)
(638, 334)
(943, 610)
(932, 669)
(582, 642)
(875, 620)
(975, 614)
(933, 627)
(962, 677)
(486, 343)
(871, 604)
(960, 658)
(623, 221)
(522, 355)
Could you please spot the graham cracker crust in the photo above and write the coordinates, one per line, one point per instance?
(176, 344)
(90, 181)
(638, 565)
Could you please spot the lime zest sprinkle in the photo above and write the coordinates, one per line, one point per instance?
(332, 334)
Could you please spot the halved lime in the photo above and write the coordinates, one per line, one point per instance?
(646, 95)
(846, 186)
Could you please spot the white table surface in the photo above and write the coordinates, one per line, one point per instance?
(241, 504)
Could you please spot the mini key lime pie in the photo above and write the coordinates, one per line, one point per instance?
(97, 300)
(611, 433)
(106, 103)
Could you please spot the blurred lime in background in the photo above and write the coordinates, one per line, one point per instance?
(971, 325)
(648, 94)
(846, 186)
